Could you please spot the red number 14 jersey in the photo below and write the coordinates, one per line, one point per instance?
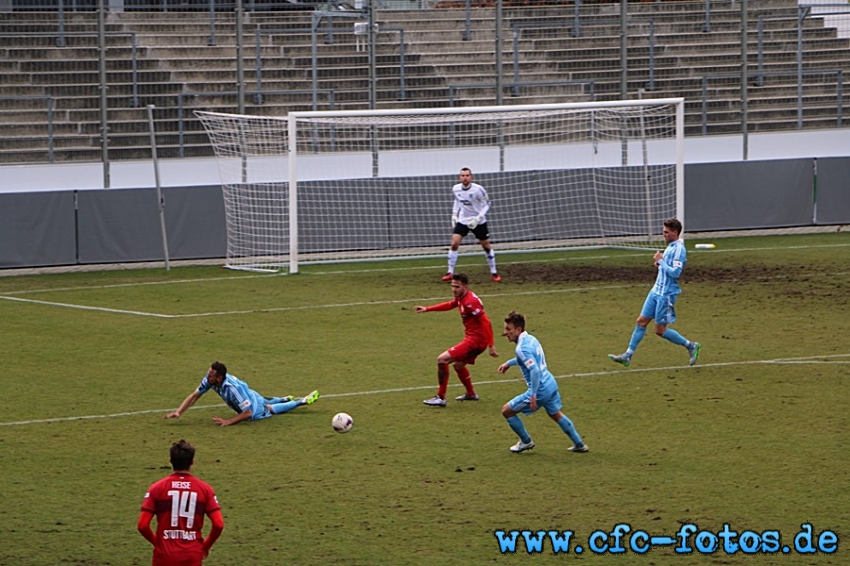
(179, 502)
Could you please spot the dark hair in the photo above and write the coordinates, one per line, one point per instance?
(674, 225)
(516, 319)
(219, 368)
(182, 455)
(461, 277)
(466, 169)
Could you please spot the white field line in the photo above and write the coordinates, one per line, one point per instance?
(826, 359)
(407, 268)
(302, 307)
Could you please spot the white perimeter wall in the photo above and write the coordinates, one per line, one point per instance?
(189, 172)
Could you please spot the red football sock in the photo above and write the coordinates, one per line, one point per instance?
(463, 375)
(442, 379)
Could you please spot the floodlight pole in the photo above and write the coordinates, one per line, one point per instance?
(159, 199)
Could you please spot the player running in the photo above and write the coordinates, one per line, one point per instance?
(661, 299)
(469, 213)
(478, 337)
(542, 387)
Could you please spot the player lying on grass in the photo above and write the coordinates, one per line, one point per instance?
(542, 387)
(248, 404)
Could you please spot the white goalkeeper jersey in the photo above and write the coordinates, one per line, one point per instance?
(470, 202)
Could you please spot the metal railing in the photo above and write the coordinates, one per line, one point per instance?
(51, 104)
(839, 92)
(181, 114)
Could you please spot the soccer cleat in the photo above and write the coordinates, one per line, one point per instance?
(496, 277)
(522, 446)
(466, 397)
(694, 352)
(287, 399)
(447, 277)
(435, 401)
(621, 359)
(311, 398)
(582, 448)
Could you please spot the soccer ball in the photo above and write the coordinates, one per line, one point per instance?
(342, 422)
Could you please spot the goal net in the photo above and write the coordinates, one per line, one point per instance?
(365, 185)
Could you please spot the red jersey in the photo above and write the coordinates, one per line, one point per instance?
(476, 323)
(179, 502)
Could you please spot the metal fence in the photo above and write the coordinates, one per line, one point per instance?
(77, 76)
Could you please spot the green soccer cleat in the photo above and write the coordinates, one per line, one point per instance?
(694, 352)
(311, 398)
(621, 359)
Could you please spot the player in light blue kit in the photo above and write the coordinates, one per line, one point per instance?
(248, 404)
(542, 387)
(661, 299)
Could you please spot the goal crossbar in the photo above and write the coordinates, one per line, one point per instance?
(333, 186)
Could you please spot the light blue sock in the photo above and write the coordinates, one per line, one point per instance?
(637, 335)
(675, 337)
(567, 426)
(519, 428)
(279, 408)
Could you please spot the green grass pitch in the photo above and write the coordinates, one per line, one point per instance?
(755, 436)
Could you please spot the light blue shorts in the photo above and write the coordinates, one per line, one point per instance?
(521, 403)
(661, 308)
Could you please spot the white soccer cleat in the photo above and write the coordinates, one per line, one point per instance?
(435, 401)
(522, 446)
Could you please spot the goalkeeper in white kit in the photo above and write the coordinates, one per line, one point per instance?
(469, 214)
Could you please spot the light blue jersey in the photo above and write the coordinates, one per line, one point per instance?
(532, 361)
(238, 396)
(670, 267)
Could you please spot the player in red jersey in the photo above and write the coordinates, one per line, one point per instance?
(478, 337)
(180, 501)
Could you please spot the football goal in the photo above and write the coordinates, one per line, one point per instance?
(338, 186)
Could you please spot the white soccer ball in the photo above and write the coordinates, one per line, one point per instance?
(342, 422)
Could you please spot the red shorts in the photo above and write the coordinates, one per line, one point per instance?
(466, 351)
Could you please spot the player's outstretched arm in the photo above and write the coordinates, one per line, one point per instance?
(187, 402)
(243, 416)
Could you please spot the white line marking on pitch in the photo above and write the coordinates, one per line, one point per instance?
(800, 360)
(302, 307)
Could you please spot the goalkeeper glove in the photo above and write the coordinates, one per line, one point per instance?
(473, 223)
(454, 220)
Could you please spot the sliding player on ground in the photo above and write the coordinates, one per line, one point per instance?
(478, 336)
(469, 213)
(248, 404)
(661, 299)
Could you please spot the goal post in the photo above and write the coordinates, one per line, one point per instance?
(336, 186)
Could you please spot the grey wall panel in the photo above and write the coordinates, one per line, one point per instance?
(119, 226)
(833, 190)
(123, 225)
(744, 195)
(37, 229)
(194, 221)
